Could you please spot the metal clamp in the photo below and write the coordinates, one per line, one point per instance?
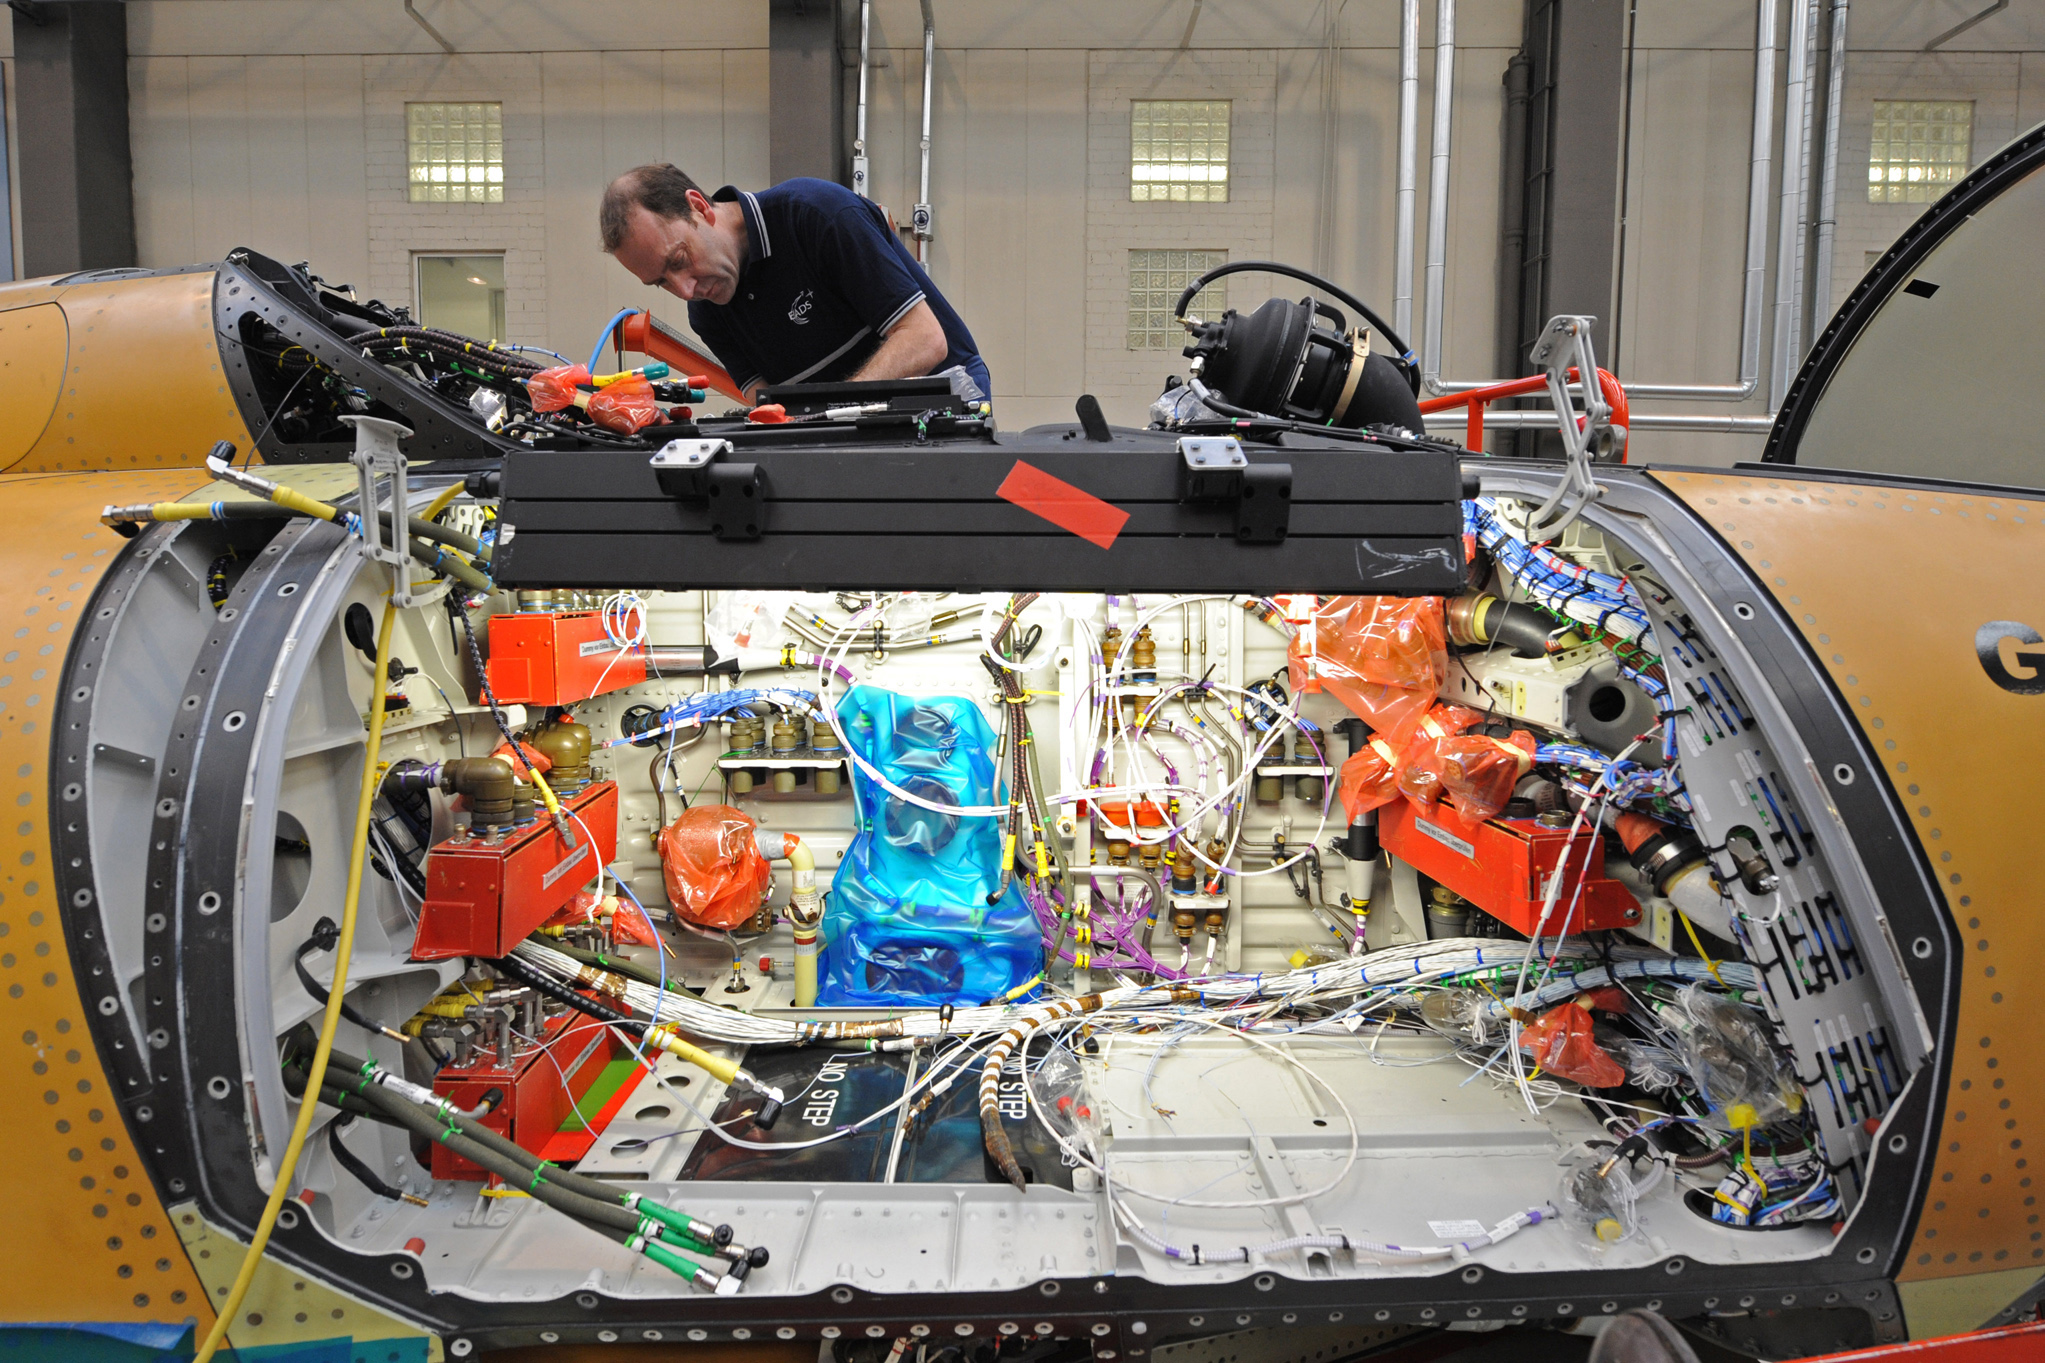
(1563, 344)
(377, 454)
(734, 494)
(1215, 469)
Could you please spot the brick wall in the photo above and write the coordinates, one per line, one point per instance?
(400, 229)
(1115, 226)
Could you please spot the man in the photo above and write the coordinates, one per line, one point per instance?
(804, 282)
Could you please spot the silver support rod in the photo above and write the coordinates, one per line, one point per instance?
(1789, 229)
(1409, 148)
(1438, 191)
(859, 161)
(1828, 180)
(921, 218)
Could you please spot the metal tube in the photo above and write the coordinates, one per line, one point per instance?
(1544, 420)
(1788, 229)
(1754, 293)
(1828, 180)
(921, 218)
(859, 162)
(1409, 146)
(1438, 191)
(1806, 159)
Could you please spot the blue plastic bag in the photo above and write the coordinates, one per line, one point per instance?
(908, 921)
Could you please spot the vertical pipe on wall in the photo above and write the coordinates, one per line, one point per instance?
(1409, 148)
(1438, 191)
(920, 220)
(1512, 226)
(1828, 179)
(1788, 230)
(1807, 160)
(859, 164)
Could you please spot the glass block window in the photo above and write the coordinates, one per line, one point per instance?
(1156, 279)
(455, 153)
(1178, 150)
(1921, 149)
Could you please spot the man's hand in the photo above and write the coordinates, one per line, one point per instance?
(914, 348)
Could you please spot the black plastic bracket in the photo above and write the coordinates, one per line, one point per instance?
(734, 494)
(1215, 469)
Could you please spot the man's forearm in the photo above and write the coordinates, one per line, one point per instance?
(916, 346)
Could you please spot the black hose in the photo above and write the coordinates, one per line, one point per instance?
(1404, 359)
(362, 1173)
(326, 935)
(1522, 629)
(561, 993)
(629, 969)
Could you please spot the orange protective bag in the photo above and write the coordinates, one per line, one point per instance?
(1420, 764)
(1478, 772)
(538, 760)
(553, 389)
(716, 877)
(1384, 657)
(1560, 1042)
(1369, 779)
(626, 406)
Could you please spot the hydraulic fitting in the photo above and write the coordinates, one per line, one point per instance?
(1143, 656)
(788, 737)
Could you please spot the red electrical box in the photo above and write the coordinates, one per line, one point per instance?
(484, 895)
(1504, 866)
(541, 1085)
(557, 658)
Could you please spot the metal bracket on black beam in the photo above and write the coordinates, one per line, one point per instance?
(734, 494)
(1215, 469)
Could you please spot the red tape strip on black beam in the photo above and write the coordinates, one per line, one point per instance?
(1069, 508)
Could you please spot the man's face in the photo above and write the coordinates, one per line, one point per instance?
(691, 259)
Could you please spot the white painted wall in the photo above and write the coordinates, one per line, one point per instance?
(277, 124)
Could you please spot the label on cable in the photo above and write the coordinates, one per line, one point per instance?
(1458, 1230)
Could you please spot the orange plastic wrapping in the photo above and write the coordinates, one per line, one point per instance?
(586, 907)
(538, 760)
(1478, 772)
(626, 406)
(553, 389)
(1560, 1042)
(1420, 764)
(716, 877)
(1384, 657)
(1369, 779)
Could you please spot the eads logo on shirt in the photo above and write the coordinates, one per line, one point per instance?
(799, 313)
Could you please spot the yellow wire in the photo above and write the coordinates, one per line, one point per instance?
(1691, 928)
(331, 1022)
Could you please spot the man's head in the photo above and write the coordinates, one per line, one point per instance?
(666, 231)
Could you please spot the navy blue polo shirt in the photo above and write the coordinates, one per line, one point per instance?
(823, 282)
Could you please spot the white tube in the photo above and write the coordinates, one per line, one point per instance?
(1409, 147)
(1438, 191)
(805, 911)
(1789, 227)
(1697, 899)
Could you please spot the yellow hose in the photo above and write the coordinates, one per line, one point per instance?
(371, 778)
(442, 502)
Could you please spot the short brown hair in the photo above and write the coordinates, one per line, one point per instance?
(661, 190)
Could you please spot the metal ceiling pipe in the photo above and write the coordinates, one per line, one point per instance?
(1828, 179)
(1789, 224)
(1438, 192)
(1409, 147)
(859, 162)
(921, 220)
